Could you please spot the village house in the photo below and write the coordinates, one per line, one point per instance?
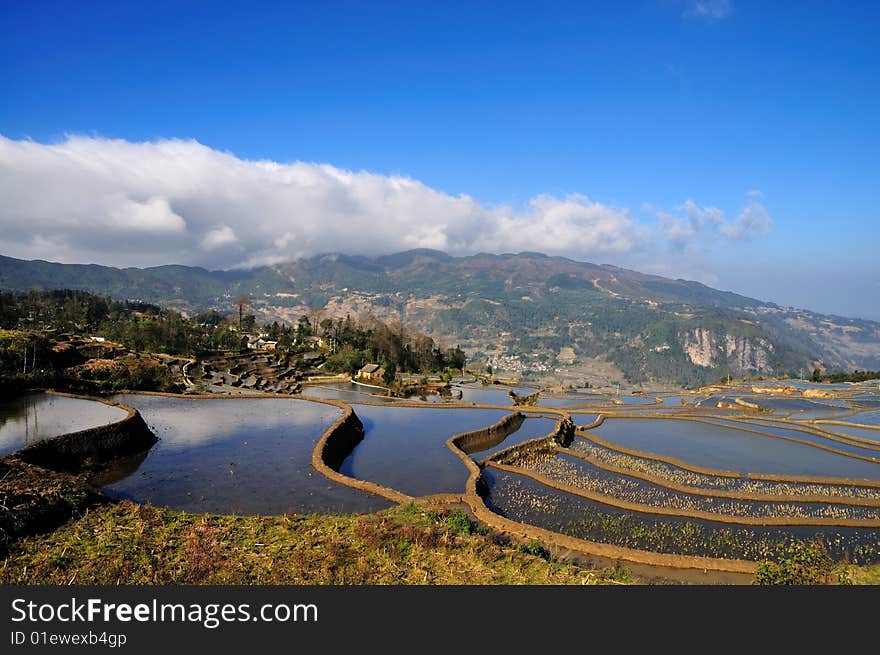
(371, 372)
(262, 344)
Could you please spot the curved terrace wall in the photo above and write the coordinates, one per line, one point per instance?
(721, 493)
(73, 451)
(656, 510)
(43, 484)
(337, 442)
(680, 463)
(477, 504)
(483, 439)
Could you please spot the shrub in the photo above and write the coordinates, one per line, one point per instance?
(802, 563)
(535, 548)
(458, 522)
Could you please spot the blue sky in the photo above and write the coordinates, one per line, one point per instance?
(618, 113)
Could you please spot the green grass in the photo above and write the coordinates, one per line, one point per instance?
(126, 543)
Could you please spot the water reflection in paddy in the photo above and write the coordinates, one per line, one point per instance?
(489, 394)
(35, 416)
(728, 448)
(522, 499)
(244, 455)
(532, 428)
(405, 447)
(777, 430)
(865, 418)
(347, 392)
(573, 399)
(851, 430)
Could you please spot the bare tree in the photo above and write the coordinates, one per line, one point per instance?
(243, 300)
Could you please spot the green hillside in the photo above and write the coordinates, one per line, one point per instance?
(525, 306)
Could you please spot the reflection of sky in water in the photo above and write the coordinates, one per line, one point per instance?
(344, 391)
(31, 417)
(185, 422)
(867, 418)
(405, 447)
(584, 419)
(852, 431)
(490, 394)
(249, 456)
(573, 400)
(532, 428)
(730, 449)
(676, 400)
(777, 430)
(637, 400)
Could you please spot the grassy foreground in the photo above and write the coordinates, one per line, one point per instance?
(126, 543)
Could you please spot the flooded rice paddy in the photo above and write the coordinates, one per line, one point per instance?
(734, 467)
(405, 447)
(531, 428)
(522, 499)
(730, 448)
(679, 475)
(236, 455)
(35, 416)
(576, 473)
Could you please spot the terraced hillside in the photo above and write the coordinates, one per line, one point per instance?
(527, 312)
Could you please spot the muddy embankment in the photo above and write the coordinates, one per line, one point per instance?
(702, 470)
(645, 563)
(337, 443)
(486, 438)
(47, 482)
(720, 493)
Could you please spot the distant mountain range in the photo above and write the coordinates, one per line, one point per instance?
(526, 311)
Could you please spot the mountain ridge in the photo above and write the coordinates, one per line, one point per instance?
(538, 313)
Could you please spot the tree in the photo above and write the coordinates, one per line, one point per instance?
(489, 369)
(326, 327)
(390, 373)
(817, 375)
(243, 300)
(303, 328)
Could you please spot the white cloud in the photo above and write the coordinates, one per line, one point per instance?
(709, 9)
(753, 221)
(123, 203)
(217, 238)
(691, 225)
(120, 203)
(153, 215)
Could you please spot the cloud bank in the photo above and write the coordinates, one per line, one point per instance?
(710, 10)
(120, 203)
(691, 225)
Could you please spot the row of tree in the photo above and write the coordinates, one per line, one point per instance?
(854, 376)
(144, 327)
(354, 343)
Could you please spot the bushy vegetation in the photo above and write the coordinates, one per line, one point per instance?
(802, 563)
(140, 326)
(459, 522)
(842, 376)
(31, 321)
(126, 543)
(394, 346)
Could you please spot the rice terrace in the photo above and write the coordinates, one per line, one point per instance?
(466, 294)
(688, 487)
